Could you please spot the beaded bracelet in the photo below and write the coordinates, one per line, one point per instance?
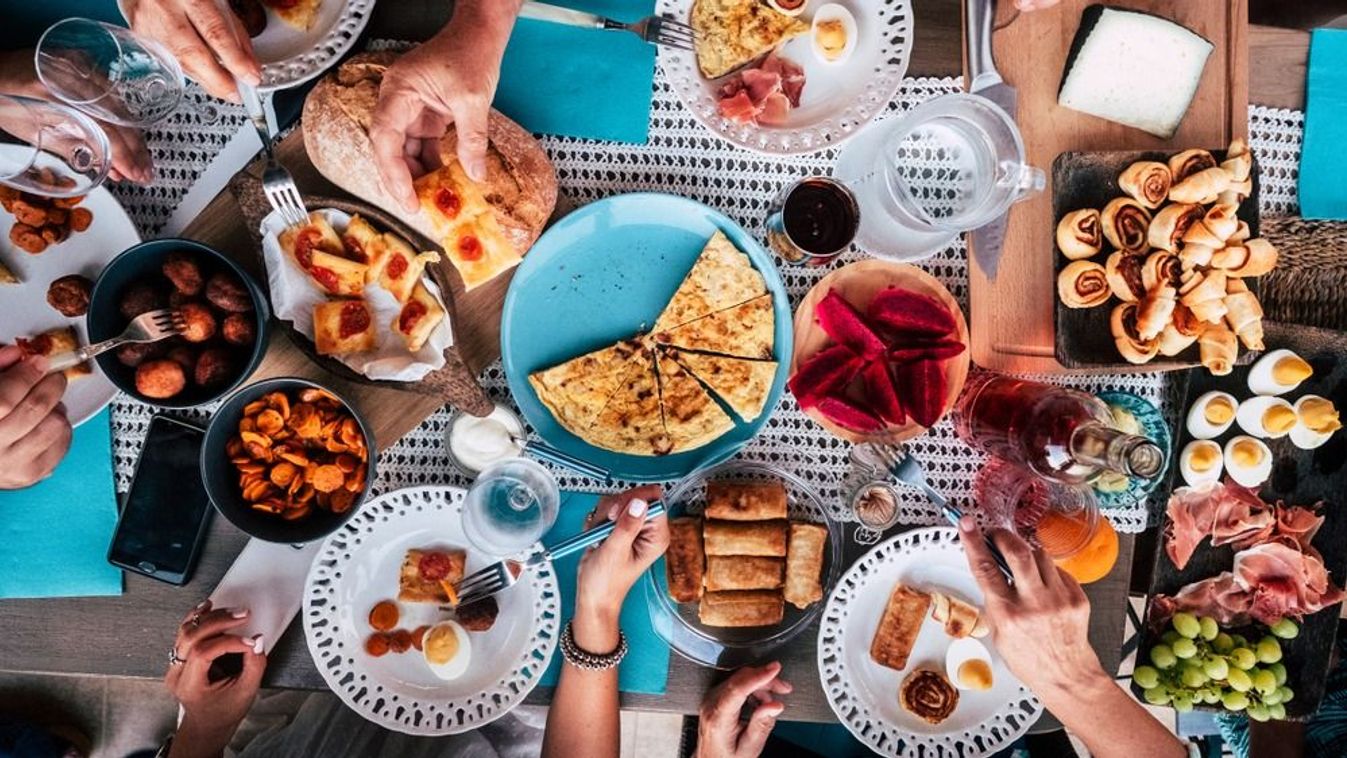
(583, 659)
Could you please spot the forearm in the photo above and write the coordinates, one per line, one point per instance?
(491, 18)
(583, 719)
(17, 75)
(195, 740)
(1111, 724)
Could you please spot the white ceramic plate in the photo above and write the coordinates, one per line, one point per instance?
(290, 56)
(24, 311)
(838, 99)
(357, 567)
(864, 695)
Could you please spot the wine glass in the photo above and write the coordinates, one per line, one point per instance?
(109, 72)
(511, 505)
(50, 149)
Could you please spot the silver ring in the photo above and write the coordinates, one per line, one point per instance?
(173, 659)
(195, 621)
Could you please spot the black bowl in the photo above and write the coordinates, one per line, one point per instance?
(143, 263)
(221, 478)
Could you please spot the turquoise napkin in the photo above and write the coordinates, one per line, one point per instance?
(56, 533)
(645, 670)
(1323, 162)
(575, 82)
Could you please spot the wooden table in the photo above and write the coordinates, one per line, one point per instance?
(130, 635)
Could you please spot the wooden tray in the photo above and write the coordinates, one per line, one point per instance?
(1012, 315)
(1300, 477)
(1084, 338)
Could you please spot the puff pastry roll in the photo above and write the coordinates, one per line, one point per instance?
(1202, 187)
(1123, 273)
(763, 538)
(1079, 234)
(1189, 162)
(1125, 223)
(1218, 348)
(744, 572)
(1155, 311)
(1171, 223)
(899, 626)
(1244, 314)
(1161, 267)
(804, 564)
(1204, 294)
(1215, 227)
(1083, 284)
(1182, 331)
(1238, 160)
(1195, 256)
(1255, 257)
(1147, 182)
(684, 560)
(1127, 335)
(745, 501)
(741, 608)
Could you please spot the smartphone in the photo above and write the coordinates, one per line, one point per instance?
(167, 511)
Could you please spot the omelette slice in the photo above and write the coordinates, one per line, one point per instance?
(722, 277)
(7, 276)
(732, 33)
(297, 13)
(578, 389)
(630, 421)
(742, 383)
(691, 417)
(747, 330)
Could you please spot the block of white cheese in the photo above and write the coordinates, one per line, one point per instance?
(1133, 68)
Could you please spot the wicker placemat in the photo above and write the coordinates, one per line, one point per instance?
(1309, 285)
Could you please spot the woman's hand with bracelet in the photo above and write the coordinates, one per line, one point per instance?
(608, 570)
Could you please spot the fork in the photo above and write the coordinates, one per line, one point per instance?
(147, 327)
(277, 184)
(502, 575)
(656, 30)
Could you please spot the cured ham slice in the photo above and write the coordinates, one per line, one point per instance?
(762, 94)
(1233, 515)
(738, 107)
(1270, 582)
(1220, 597)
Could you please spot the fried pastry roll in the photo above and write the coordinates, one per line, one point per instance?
(741, 608)
(1123, 273)
(1255, 257)
(1244, 314)
(1083, 284)
(683, 562)
(1125, 223)
(1147, 182)
(1127, 336)
(1238, 160)
(1204, 294)
(745, 501)
(1218, 348)
(1155, 311)
(804, 564)
(1182, 330)
(744, 572)
(763, 538)
(1194, 256)
(1202, 187)
(1171, 223)
(1161, 267)
(1189, 162)
(1215, 227)
(1079, 234)
(899, 626)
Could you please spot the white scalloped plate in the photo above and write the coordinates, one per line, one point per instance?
(290, 56)
(358, 566)
(838, 99)
(864, 695)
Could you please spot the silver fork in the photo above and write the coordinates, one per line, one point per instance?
(657, 30)
(277, 184)
(502, 575)
(147, 327)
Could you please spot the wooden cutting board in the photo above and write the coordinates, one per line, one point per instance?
(1012, 315)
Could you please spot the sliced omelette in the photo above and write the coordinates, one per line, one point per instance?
(747, 330)
(578, 389)
(732, 33)
(631, 421)
(722, 277)
(743, 384)
(691, 417)
(7, 276)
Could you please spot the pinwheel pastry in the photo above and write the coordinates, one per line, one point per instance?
(1127, 336)
(1079, 235)
(927, 694)
(1147, 182)
(1182, 331)
(1253, 258)
(1185, 164)
(1218, 348)
(1155, 311)
(1124, 276)
(1161, 267)
(1171, 223)
(1204, 294)
(1083, 284)
(1244, 313)
(1125, 223)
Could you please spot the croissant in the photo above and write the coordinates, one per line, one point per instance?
(1123, 323)
(1241, 233)
(1204, 294)
(1160, 267)
(1244, 314)
(1079, 235)
(1182, 330)
(1236, 192)
(1261, 259)
(1155, 311)
(1123, 273)
(1171, 223)
(1203, 187)
(1189, 162)
(1125, 224)
(1147, 182)
(1194, 255)
(1215, 228)
(1218, 348)
(1238, 160)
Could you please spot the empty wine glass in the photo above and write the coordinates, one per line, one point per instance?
(109, 72)
(50, 149)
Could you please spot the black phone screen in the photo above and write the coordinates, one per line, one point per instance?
(167, 505)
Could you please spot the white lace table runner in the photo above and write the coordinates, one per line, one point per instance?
(682, 158)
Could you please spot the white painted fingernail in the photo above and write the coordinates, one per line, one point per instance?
(612, 512)
(201, 606)
(258, 643)
(637, 507)
(240, 613)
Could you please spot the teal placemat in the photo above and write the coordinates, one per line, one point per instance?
(56, 533)
(575, 82)
(1323, 162)
(645, 670)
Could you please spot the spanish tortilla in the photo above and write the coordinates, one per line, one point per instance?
(691, 417)
(744, 384)
(722, 277)
(732, 33)
(746, 330)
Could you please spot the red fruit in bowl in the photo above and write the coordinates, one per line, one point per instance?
(846, 414)
(922, 384)
(883, 397)
(845, 325)
(908, 313)
(946, 348)
(829, 370)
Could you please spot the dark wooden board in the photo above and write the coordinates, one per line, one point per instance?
(1299, 477)
(1090, 180)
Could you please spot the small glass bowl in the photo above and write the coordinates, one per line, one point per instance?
(1153, 426)
(458, 464)
(859, 494)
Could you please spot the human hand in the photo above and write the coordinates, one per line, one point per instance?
(208, 41)
(1034, 5)
(1040, 625)
(450, 79)
(213, 709)
(608, 570)
(34, 432)
(720, 733)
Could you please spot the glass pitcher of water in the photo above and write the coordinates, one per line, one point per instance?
(951, 165)
(511, 506)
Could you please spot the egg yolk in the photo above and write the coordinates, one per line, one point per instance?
(1204, 457)
(975, 674)
(831, 37)
(441, 645)
(1246, 454)
(1219, 410)
(1320, 416)
(1279, 419)
(1291, 370)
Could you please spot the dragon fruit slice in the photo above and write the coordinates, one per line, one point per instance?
(905, 312)
(845, 325)
(883, 397)
(827, 371)
(922, 384)
(848, 415)
(946, 348)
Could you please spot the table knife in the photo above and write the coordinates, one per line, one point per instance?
(988, 241)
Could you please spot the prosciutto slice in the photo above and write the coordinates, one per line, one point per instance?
(762, 94)
(1233, 515)
(1270, 582)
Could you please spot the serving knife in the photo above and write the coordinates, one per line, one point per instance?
(984, 80)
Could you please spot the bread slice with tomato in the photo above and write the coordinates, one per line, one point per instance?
(418, 318)
(341, 327)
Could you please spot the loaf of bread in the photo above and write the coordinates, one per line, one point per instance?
(521, 185)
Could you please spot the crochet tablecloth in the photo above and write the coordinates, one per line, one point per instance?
(683, 158)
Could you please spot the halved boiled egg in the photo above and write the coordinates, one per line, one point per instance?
(1266, 417)
(1212, 413)
(1248, 461)
(969, 665)
(1278, 372)
(1316, 420)
(447, 649)
(833, 33)
(1200, 462)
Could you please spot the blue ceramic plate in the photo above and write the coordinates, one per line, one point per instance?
(602, 274)
(1153, 425)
